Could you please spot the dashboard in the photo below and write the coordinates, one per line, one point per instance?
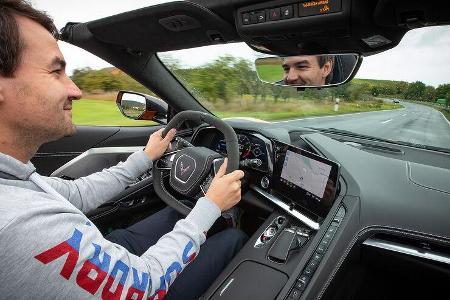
(299, 181)
(376, 209)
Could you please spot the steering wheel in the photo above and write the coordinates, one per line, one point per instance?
(191, 170)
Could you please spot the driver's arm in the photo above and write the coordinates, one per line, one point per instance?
(50, 250)
(87, 193)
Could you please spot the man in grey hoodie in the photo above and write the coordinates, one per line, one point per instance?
(48, 248)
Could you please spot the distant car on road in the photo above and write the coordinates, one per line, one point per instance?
(396, 101)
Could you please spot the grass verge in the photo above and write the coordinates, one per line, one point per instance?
(102, 113)
(316, 111)
(106, 113)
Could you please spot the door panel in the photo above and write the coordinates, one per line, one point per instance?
(53, 155)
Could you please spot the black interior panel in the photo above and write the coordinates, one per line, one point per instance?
(53, 155)
(238, 287)
(178, 24)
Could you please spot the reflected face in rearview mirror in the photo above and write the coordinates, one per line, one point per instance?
(307, 70)
(311, 70)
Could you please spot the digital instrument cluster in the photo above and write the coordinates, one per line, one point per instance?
(250, 147)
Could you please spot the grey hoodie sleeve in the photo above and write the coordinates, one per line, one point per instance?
(87, 193)
(52, 251)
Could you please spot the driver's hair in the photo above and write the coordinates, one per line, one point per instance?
(322, 60)
(11, 44)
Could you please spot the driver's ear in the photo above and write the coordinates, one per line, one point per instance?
(2, 95)
(327, 67)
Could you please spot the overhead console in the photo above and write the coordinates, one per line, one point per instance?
(280, 26)
(289, 27)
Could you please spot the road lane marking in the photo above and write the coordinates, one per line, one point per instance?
(444, 117)
(342, 115)
(387, 121)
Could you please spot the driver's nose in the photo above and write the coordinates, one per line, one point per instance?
(292, 76)
(74, 92)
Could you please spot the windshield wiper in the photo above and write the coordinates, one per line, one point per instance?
(368, 137)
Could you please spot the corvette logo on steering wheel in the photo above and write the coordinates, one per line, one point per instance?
(184, 168)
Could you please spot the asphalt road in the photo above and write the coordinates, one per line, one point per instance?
(414, 123)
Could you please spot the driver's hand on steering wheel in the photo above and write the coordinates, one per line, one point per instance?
(156, 145)
(225, 190)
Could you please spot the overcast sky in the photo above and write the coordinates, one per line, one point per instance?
(423, 54)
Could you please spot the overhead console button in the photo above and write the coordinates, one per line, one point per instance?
(287, 12)
(274, 14)
(253, 18)
(246, 19)
(261, 16)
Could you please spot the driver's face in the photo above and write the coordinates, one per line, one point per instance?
(37, 100)
(304, 70)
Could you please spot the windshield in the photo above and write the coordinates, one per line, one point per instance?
(401, 95)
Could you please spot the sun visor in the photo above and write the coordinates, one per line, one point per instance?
(164, 27)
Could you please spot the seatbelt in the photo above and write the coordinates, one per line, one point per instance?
(37, 179)
(7, 176)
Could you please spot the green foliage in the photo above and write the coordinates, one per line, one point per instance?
(443, 92)
(227, 79)
(415, 91)
(270, 73)
(106, 80)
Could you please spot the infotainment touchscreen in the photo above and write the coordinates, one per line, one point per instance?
(305, 179)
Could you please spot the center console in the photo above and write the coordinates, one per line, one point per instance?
(282, 256)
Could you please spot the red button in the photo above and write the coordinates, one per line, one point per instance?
(274, 14)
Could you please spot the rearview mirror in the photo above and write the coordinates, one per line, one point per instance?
(307, 71)
(140, 106)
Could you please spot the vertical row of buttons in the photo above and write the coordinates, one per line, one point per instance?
(271, 14)
(314, 261)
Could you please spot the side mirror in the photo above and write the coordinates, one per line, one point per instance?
(138, 106)
(308, 71)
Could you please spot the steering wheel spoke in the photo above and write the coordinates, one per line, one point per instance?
(166, 161)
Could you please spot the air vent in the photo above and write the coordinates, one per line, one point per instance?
(365, 146)
(179, 23)
(413, 247)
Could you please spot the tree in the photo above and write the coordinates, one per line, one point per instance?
(415, 91)
(429, 94)
(443, 92)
